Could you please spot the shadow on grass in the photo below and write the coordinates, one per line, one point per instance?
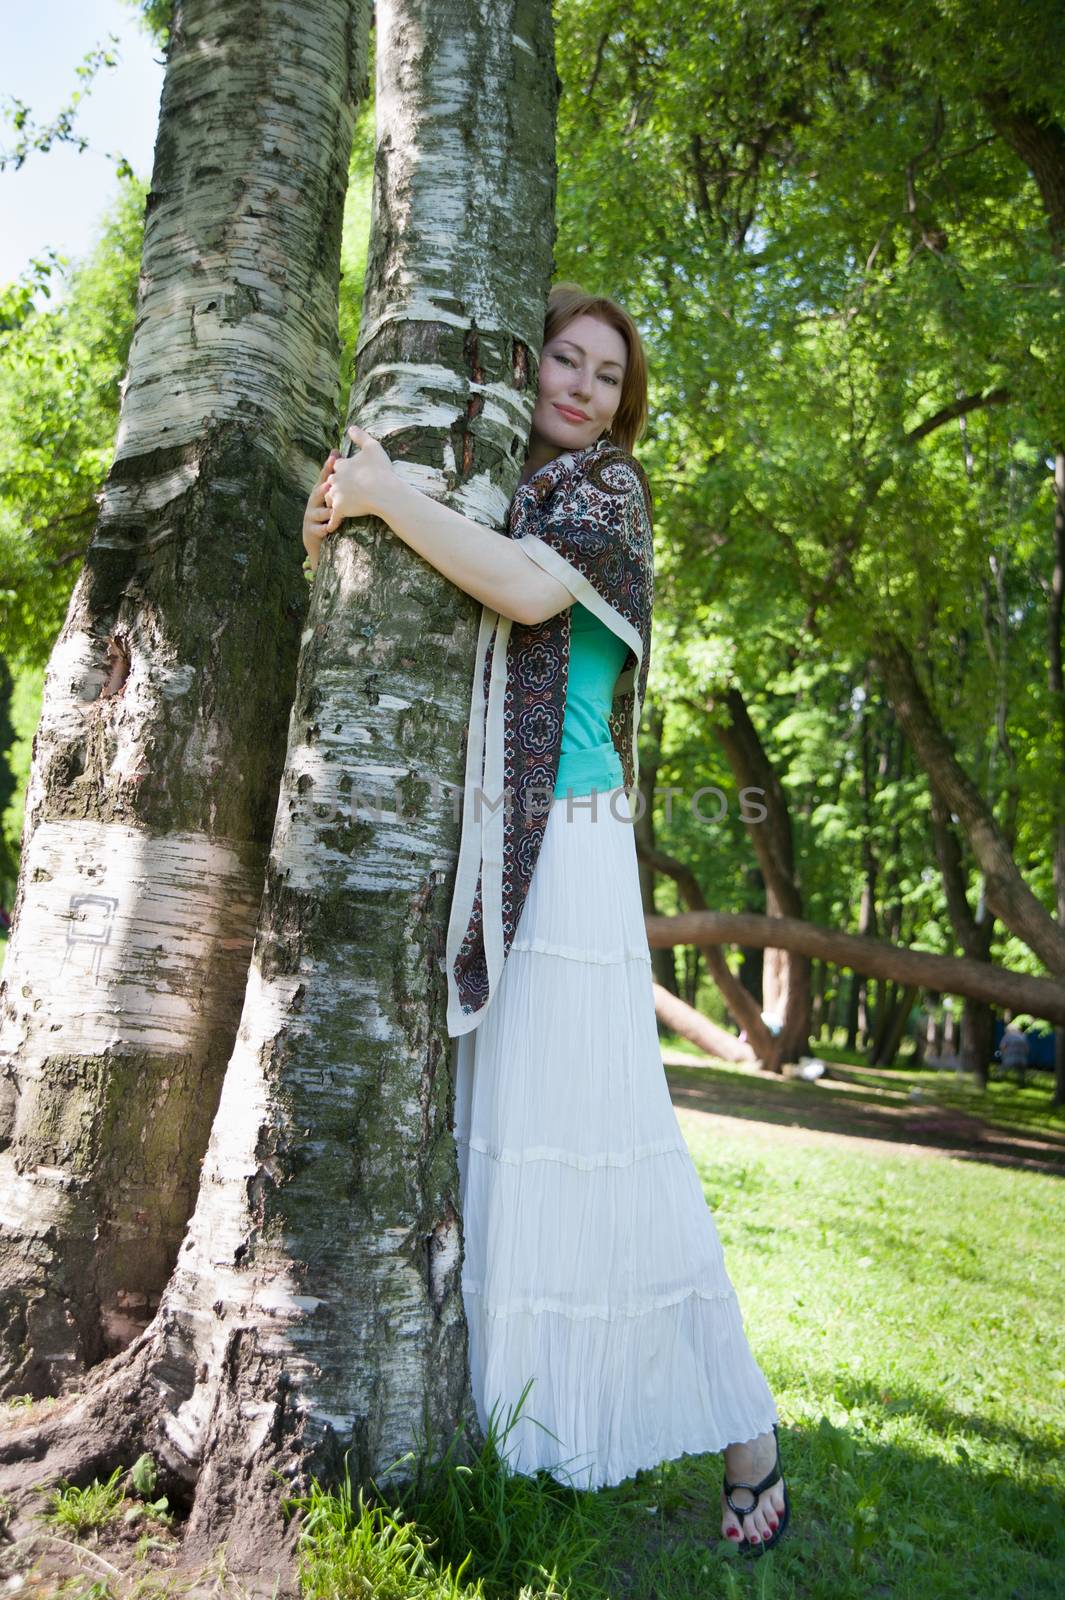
(851, 1103)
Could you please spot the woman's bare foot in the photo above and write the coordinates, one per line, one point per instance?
(749, 1463)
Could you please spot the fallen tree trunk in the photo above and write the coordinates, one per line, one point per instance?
(1042, 997)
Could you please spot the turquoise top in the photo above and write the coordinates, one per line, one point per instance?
(588, 759)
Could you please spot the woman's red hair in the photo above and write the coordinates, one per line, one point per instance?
(567, 301)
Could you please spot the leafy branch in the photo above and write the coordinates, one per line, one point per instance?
(33, 136)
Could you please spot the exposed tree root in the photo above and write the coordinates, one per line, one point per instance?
(232, 1498)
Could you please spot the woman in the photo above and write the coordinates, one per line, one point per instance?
(593, 1276)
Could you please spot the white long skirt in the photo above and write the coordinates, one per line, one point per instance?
(592, 1262)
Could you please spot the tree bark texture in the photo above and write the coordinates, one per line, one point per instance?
(159, 751)
(316, 1305)
(680, 1018)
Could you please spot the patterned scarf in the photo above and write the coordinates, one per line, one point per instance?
(585, 518)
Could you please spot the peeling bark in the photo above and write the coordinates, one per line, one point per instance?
(159, 751)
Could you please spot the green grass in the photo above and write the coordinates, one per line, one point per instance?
(80, 1511)
(456, 1529)
(907, 1312)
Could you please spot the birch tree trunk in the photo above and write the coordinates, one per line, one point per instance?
(316, 1306)
(162, 734)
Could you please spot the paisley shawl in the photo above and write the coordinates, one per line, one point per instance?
(585, 518)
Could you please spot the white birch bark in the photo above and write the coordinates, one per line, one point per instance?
(316, 1305)
(322, 1266)
(158, 756)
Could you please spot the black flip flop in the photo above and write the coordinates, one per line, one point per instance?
(759, 1546)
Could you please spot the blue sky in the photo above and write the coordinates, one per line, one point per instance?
(57, 197)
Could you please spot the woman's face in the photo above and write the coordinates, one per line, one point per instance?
(581, 372)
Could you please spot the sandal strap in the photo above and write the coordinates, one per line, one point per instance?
(756, 1488)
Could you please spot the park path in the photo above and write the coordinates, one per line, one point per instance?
(855, 1107)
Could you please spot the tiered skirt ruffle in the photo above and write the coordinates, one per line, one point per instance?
(592, 1264)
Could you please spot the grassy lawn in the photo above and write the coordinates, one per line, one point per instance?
(906, 1307)
(908, 1315)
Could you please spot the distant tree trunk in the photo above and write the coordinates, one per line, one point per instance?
(1037, 135)
(818, 978)
(973, 933)
(893, 761)
(854, 988)
(1008, 896)
(833, 985)
(753, 959)
(316, 1307)
(786, 975)
(161, 741)
(858, 1008)
(893, 1026)
(1057, 689)
(920, 1038)
(1057, 695)
(743, 1006)
(691, 975)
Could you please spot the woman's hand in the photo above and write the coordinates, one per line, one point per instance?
(316, 515)
(353, 487)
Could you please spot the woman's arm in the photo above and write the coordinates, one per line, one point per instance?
(488, 566)
(493, 569)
